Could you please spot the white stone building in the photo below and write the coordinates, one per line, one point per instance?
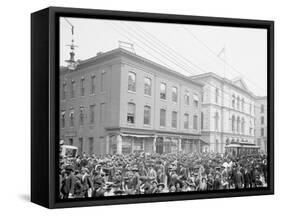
(261, 123)
(227, 112)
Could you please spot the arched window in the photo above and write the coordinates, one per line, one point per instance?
(174, 94)
(217, 95)
(216, 120)
(238, 124)
(131, 113)
(132, 81)
(243, 126)
(186, 98)
(238, 102)
(202, 120)
(147, 115)
(233, 101)
(71, 118)
(233, 123)
(81, 116)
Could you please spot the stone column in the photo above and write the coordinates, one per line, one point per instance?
(180, 147)
(154, 143)
(107, 144)
(133, 144)
(119, 144)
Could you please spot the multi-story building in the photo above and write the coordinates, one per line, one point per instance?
(261, 123)
(227, 112)
(119, 102)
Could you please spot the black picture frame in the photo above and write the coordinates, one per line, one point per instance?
(45, 104)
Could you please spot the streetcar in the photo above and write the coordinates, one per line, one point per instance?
(241, 148)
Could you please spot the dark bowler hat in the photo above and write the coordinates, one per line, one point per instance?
(119, 192)
(135, 169)
(68, 167)
(161, 185)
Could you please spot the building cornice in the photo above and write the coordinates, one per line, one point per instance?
(122, 52)
(223, 80)
(150, 132)
(227, 108)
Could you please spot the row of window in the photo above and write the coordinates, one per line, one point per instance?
(238, 103)
(262, 108)
(80, 145)
(163, 90)
(262, 132)
(93, 84)
(238, 125)
(82, 116)
(131, 116)
(262, 120)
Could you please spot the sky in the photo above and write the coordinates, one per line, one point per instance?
(188, 49)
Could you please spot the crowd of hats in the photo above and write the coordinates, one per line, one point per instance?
(113, 172)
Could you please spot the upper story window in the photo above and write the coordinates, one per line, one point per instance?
(92, 114)
(242, 104)
(217, 120)
(196, 100)
(162, 117)
(174, 119)
(238, 124)
(250, 128)
(174, 94)
(147, 86)
(82, 86)
(262, 120)
(195, 122)
(186, 98)
(217, 95)
(262, 108)
(163, 91)
(147, 115)
(250, 108)
(132, 81)
(202, 120)
(71, 118)
(262, 131)
(131, 113)
(243, 126)
(64, 90)
(103, 80)
(233, 123)
(62, 119)
(186, 121)
(102, 112)
(81, 116)
(233, 101)
(238, 102)
(72, 89)
(93, 84)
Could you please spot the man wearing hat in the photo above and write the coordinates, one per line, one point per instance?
(68, 182)
(86, 182)
(182, 172)
(136, 180)
(160, 188)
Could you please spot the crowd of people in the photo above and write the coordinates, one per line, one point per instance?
(141, 173)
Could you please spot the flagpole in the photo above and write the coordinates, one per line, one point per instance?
(224, 60)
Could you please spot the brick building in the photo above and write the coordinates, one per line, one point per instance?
(119, 102)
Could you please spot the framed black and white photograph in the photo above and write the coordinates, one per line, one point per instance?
(137, 107)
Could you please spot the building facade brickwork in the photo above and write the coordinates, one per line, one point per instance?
(119, 102)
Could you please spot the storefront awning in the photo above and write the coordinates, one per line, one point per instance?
(137, 135)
